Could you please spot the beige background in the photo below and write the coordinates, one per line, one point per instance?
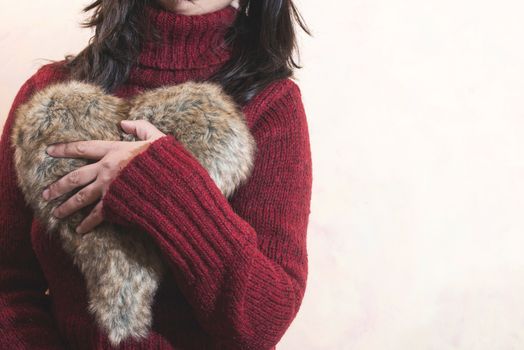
(416, 119)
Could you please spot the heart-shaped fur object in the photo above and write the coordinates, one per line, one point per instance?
(122, 270)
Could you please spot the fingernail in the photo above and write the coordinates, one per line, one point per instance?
(55, 213)
(50, 149)
(79, 230)
(45, 194)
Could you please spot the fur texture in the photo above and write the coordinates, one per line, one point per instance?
(122, 270)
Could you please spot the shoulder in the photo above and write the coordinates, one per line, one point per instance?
(279, 89)
(274, 92)
(280, 98)
(45, 75)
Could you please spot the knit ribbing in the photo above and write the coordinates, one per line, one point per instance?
(237, 267)
(188, 48)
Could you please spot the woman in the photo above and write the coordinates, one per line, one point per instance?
(237, 267)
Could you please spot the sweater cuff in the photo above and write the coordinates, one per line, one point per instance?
(165, 191)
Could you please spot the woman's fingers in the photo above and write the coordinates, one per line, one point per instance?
(114, 155)
(82, 198)
(92, 149)
(79, 177)
(143, 129)
(92, 220)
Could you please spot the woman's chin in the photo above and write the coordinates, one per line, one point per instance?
(184, 7)
(194, 7)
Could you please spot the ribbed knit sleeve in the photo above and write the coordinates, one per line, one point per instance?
(241, 263)
(25, 318)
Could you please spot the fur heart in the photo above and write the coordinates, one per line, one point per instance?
(122, 270)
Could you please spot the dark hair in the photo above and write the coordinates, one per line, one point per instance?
(262, 38)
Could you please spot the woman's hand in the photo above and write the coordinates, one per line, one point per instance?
(112, 157)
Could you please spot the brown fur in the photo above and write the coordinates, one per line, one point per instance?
(122, 270)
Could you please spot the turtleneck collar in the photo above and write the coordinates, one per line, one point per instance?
(187, 42)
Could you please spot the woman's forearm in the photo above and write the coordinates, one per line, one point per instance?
(242, 264)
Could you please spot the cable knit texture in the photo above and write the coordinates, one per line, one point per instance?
(238, 266)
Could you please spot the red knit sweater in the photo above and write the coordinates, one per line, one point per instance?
(238, 267)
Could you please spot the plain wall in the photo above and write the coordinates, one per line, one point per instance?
(415, 112)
